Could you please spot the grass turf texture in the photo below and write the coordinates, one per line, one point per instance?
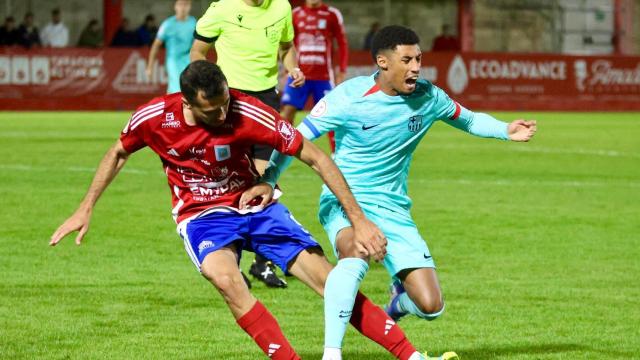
(537, 246)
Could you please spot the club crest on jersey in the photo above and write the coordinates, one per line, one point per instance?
(223, 152)
(322, 24)
(415, 123)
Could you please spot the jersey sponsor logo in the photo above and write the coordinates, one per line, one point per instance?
(415, 123)
(196, 151)
(365, 127)
(205, 245)
(223, 152)
(320, 109)
(170, 121)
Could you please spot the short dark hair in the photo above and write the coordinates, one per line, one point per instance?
(391, 36)
(55, 12)
(202, 75)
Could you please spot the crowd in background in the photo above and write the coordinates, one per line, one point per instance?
(56, 34)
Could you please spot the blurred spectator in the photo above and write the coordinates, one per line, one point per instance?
(8, 33)
(445, 41)
(55, 34)
(148, 30)
(125, 36)
(91, 36)
(29, 34)
(367, 38)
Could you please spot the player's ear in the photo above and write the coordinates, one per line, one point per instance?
(186, 103)
(382, 62)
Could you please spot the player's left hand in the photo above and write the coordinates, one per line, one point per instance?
(297, 78)
(340, 76)
(521, 130)
(263, 190)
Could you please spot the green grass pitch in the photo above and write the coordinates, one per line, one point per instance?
(537, 246)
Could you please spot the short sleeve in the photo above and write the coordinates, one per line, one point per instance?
(265, 126)
(132, 136)
(446, 109)
(208, 27)
(287, 31)
(163, 31)
(328, 114)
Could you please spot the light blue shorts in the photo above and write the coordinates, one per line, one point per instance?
(406, 249)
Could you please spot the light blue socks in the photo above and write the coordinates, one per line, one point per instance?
(339, 295)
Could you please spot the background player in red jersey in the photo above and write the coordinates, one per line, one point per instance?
(316, 26)
(204, 137)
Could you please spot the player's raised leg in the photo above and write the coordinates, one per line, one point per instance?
(221, 269)
(418, 294)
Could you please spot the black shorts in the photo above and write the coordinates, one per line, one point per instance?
(271, 98)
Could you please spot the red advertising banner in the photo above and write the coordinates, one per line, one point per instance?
(531, 82)
(77, 79)
(114, 79)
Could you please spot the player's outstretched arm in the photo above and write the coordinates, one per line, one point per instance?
(111, 163)
(369, 239)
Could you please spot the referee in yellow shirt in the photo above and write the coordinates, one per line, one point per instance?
(250, 36)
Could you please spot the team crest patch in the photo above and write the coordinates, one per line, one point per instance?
(286, 131)
(223, 152)
(319, 109)
(415, 123)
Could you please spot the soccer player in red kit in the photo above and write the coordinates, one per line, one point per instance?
(204, 137)
(316, 26)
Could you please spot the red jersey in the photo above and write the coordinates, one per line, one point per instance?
(208, 167)
(315, 29)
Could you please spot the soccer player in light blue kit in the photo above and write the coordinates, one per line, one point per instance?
(378, 122)
(176, 33)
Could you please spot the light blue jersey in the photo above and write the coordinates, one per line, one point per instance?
(177, 37)
(376, 134)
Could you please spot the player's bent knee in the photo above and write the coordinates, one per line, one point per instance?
(431, 312)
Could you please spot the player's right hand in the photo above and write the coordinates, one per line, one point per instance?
(79, 221)
(297, 78)
(369, 237)
(260, 190)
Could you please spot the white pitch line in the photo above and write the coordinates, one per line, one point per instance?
(519, 183)
(544, 150)
(19, 167)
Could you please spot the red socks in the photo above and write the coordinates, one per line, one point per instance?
(375, 324)
(265, 331)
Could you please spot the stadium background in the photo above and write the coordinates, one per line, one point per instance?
(537, 244)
